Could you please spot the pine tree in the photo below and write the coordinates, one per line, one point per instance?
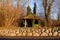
(28, 10)
(34, 10)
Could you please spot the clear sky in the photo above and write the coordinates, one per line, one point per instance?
(54, 11)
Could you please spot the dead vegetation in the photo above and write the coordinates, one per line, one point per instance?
(10, 15)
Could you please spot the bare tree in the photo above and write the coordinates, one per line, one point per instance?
(47, 9)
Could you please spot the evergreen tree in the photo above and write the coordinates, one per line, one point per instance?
(28, 10)
(34, 10)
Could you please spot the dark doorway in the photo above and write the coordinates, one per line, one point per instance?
(36, 21)
(29, 23)
(21, 23)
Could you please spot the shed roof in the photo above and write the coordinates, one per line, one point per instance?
(31, 16)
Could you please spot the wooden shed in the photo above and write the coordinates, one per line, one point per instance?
(30, 20)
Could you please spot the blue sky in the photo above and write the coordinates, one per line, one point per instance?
(54, 11)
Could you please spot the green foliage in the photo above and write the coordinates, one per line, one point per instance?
(28, 10)
(34, 10)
